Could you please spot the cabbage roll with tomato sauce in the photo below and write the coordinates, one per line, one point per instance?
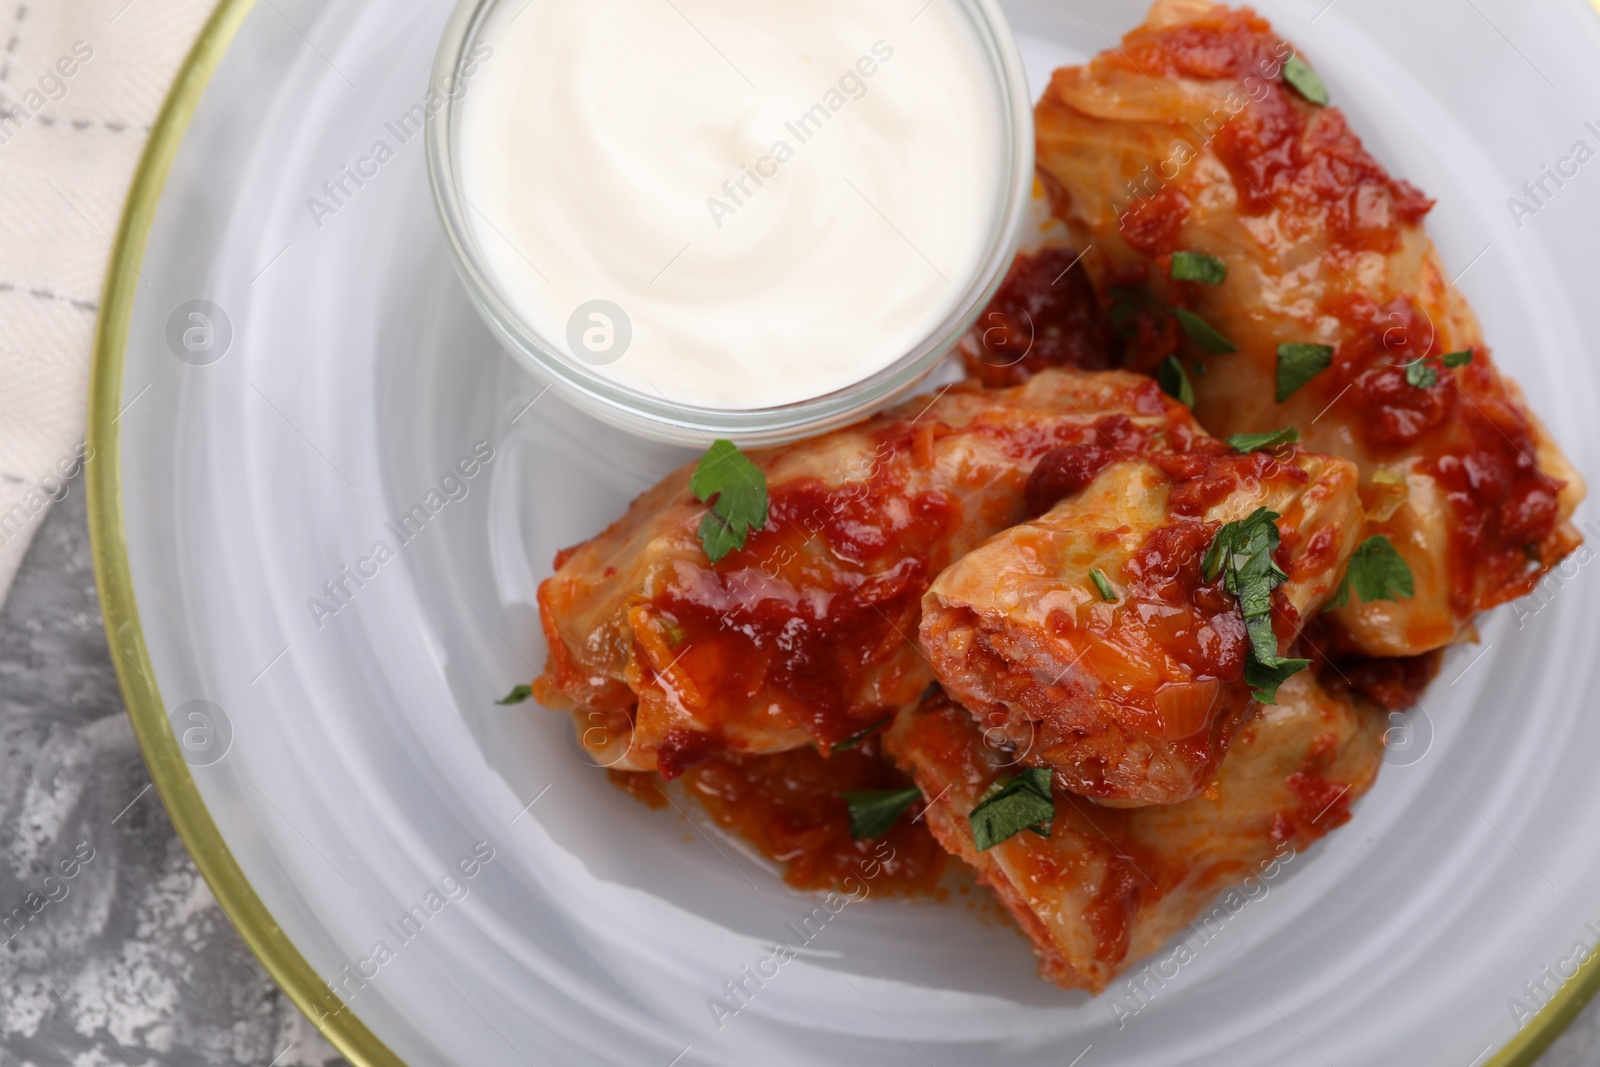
(1108, 887)
(806, 634)
(1092, 637)
(1202, 144)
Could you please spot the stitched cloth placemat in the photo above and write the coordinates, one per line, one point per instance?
(80, 83)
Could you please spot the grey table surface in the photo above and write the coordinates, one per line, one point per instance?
(136, 963)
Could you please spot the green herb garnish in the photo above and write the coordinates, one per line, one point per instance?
(1298, 364)
(1128, 302)
(1198, 267)
(1264, 677)
(1108, 594)
(1174, 382)
(1264, 442)
(1024, 803)
(517, 695)
(1306, 81)
(1419, 374)
(855, 739)
(874, 811)
(1376, 571)
(737, 492)
(1203, 333)
(1242, 553)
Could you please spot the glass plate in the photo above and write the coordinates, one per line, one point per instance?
(334, 769)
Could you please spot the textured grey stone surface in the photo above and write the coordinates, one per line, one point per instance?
(135, 963)
(130, 960)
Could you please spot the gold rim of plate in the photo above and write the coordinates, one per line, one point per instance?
(135, 672)
(114, 579)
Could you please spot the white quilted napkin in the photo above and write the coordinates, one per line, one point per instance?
(80, 83)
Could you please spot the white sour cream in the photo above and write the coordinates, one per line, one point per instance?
(782, 197)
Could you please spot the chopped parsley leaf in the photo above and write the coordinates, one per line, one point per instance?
(1198, 267)
(874, 811)
(1419, 374)
(1306, 81)
(1108, 594)
(1242, 553)
(855, 739)
(1203, 333)
(517, 695)
(1128, 303)
(1376, 571)
(1023, 803)
(1264, 442)
(1174, 382)
(1264, 678)
(1298, 364)
(737, 492)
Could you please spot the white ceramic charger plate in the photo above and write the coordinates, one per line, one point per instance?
(352, 760)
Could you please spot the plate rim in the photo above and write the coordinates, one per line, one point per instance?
(163, 757)
(147, 712)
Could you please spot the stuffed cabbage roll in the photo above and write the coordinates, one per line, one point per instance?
(1108, 886)
(1235, 220)
(806, 634)
(1099, 642)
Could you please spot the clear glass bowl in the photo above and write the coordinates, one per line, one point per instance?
(653, 416)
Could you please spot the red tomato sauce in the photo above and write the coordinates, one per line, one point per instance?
(1044, 315)
(1323, 804)
(1152, 223)
(789, 807)
(1393, 683)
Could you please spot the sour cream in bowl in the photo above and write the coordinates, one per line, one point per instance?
(754, 219)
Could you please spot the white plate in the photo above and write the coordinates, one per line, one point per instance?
(365, 757)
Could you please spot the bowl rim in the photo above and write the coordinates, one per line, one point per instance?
(659, 417)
